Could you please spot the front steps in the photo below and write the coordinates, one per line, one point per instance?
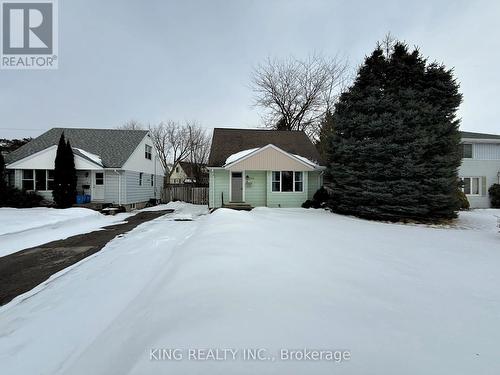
(240, 206)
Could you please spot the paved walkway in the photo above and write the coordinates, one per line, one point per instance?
(25, 269)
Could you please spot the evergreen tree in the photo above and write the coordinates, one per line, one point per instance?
(64, 175)
(71, 174)
(394, 151)
(281, 125)
(325, 131)
(3, 182)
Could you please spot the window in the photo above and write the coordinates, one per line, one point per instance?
(99, 178)
(152, 180)
(467, 150)
(38, 179)
(50, 179)
(148, 151)
(176, 169)
(471, 185)
(276, 181)
(28, 179)
(140, 179)
(287, 181)
(298, 181)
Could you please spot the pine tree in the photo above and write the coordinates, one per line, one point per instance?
(70, 174)
(325, 131)
(3, 182)
(64, 175)
(394, 151)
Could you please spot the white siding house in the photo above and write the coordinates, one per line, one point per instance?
(480, 166)
(113, 166)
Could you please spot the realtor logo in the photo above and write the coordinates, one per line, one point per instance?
(29, 34)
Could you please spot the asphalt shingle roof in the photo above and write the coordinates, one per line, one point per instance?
(226, 142)
(473, 135)
(114, 146)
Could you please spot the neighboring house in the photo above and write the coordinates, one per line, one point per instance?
(262, 168)
(112, 166)
(480, 166)
(184, 172)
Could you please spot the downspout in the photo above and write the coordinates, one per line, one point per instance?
(154, 178)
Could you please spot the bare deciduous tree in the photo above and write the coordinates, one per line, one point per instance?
(131, 125)
(198, 149)
(297, 93)
(159, 135)
(178, 139)
(182, 142)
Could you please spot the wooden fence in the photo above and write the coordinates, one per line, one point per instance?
(185, 193)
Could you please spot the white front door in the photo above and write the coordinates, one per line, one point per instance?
(98, 186)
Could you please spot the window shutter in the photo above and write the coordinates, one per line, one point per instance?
(483, 185)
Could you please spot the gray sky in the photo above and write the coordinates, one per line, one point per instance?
(191, 60)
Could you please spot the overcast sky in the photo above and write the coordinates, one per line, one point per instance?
(191, 60)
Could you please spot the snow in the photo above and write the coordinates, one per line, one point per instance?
(480, 219)
(183, 211)
(95, 158)
(232, 158)
(22, 228)
(400, 298)
(306, 160)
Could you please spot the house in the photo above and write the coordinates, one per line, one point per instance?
(480, 166)
(112, 166)
(257, 167)
(184, 172)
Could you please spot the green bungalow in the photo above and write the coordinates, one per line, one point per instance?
(253, 168)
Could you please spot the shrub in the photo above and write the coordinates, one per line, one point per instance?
(494, 192)
(321, 195)
(307, 204)
(319, 199)
(16, 198)
(464, 202)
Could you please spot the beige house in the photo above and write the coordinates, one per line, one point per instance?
(184, 172)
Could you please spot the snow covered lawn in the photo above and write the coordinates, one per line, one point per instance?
(22, 228)
(402, 299)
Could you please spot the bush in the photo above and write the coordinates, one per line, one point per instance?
(319, 199)
(16, 198)
(494, 192)
(321, 195)
(307, 204)
(464, 202)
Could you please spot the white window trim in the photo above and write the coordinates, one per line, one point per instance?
(281, 183)
(472, 150)
(34, 179)
(146, 153)
(479, 186)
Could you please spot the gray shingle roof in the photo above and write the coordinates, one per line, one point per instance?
(473, 135)
(114, 146)
(226, 142)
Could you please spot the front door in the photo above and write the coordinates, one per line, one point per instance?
(236, 187)
(98, 186)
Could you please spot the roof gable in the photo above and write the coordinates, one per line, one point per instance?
(270, 157)
(113, 146)
(226, 142)
(44, 159)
